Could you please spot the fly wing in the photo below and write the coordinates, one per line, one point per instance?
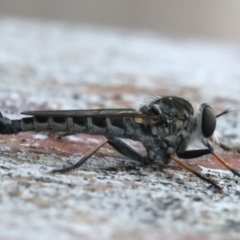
(84, 113)
(121, 112)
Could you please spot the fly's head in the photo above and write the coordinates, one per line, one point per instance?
(206, 121)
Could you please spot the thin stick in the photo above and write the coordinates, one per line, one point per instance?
(81, 161)
(187, 167)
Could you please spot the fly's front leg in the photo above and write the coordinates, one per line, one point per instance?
(229, 167)
(128, 152)
(199, 175)
(229, 149)
(193, 153)
(201, 152)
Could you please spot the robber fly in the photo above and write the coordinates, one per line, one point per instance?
(165, 127)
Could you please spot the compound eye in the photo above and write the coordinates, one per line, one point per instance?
(208, 121)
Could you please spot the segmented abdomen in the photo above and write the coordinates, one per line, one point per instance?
(110, 127)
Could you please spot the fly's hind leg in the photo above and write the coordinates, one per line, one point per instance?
(118, 145)
(128, 152)
(82, 160)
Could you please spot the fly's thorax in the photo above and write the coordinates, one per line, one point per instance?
(170, 106)
(167, 138)
(175, 117)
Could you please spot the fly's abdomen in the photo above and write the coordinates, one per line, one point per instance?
(8, 126)
(106, 126)
(55, 124)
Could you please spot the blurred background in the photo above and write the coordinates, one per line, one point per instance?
(215, 19)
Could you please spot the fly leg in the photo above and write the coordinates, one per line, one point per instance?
(229, 149)
(128, 152)
(118, 145)
(201, 152)
(233, 170)
(194, 153)
(82, 160)
(187, 167)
